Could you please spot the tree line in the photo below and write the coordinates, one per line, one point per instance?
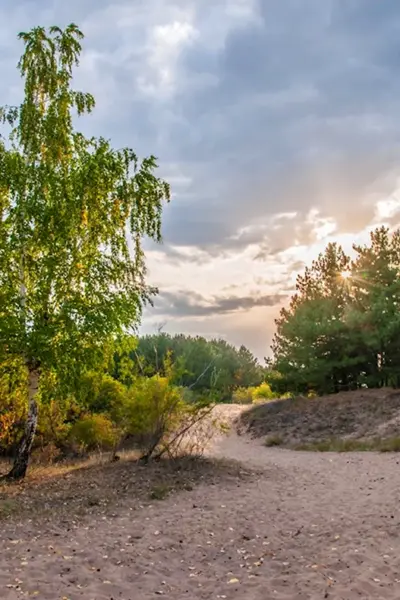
(200, 365)
(341, 330)
(144, 391)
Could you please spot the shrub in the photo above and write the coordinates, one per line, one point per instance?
(13, 404)
(47, 455)
(277, 382)
(262, 393)
(100, 393)
(242, 395)
(157, 416)
(152, 410)
(286, 396)
(52, 426)
(94, 432)
(339, 445)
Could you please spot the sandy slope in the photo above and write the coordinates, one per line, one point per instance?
(307, 526)
(360, 414)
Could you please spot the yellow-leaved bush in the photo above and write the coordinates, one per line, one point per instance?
(262, 393)
(253, 395)
(152, 414)
(94, 432)
(242, 395)
(153, 409)
(13, 403)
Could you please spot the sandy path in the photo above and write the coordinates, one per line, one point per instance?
(308, 526)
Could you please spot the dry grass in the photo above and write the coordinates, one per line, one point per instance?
(338, 445)
(390, 445)
(74, 491)
(352, 445)
(274, 440)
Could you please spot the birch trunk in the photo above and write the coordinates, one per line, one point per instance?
(21, 461)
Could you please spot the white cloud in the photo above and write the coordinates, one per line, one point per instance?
(165, 43)
(322, 227)
(387, 208)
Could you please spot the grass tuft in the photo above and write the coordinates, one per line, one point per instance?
(274, 440)
(351, 445)
(7, 508)
(390, 445)
(160, 492)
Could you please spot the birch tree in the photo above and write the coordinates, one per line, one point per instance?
(73, 214)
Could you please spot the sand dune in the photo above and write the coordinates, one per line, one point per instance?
(303, 526)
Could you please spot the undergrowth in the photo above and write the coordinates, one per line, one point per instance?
(351, 445)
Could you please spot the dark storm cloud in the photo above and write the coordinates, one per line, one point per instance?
(189, 304)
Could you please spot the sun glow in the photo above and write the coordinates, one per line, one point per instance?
(345, 274)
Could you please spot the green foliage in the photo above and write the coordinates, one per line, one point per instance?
(70, 280)
(153, 413)
(65, 200)
(262, 393)
(123, 365)
(13, 398)
(94, 432)
(276, 380)
(158, 414)
(242, 395)
(201, 365)
(342, 332)
(253, 395)
(100, 393)
(153, 410)
(53, 426)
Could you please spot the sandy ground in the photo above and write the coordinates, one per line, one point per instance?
(307, 526)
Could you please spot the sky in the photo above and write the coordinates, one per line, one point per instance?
(277, 125)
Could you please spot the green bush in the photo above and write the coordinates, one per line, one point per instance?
(94, 432)
(158, 418)
(153, 408)
(250, 395)
(53, 427)
(390, 445)
(100, 393)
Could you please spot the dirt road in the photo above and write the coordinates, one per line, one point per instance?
(306, 526)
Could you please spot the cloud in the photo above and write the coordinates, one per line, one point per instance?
(164, 47)
(277, 124)
(261, 105)
(181, 304)
(327, 136)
